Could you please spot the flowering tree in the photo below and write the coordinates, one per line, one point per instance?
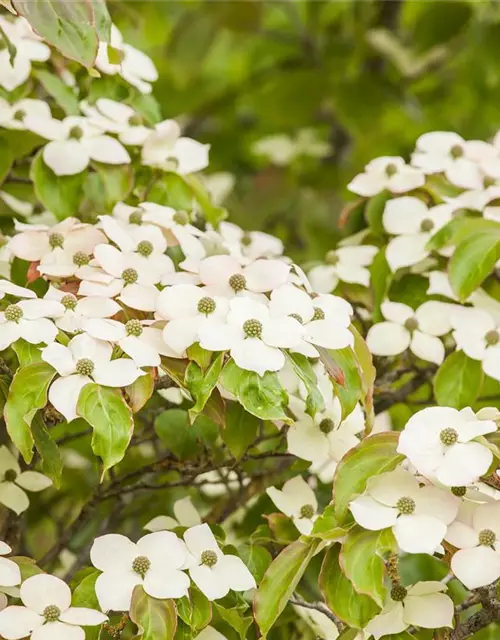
(192, 421)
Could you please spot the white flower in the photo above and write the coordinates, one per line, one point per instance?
(387, 172)
(247, 246)
(29, 47)
(414, 224)
(252, 335)
(296, 500)
(185, 516)
(440, 443)
(281, 149)
(135, 66)
(14, 483)
(421, 605)
(477, 333)
(9, 288)
(476, 533)
(417, 515)
(47, 613)
(12, 115)
(77, 311)
(84, 360)
(29, 319)
(346, 264)
(214, 573)
(417, 330)
(74, 143)
(116, 117)
(155, 562)
(447, 152)
(10, 574)
(166, 148)
(188, 308)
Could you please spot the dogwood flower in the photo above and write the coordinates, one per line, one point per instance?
(12, 115)
(421, 605)
(185, 516)
(296, 500)
(417, 330)
(9, 288)
(417, 515)
(15, 483)
(476, 533)
(440, 443)
(214, 573)
(346, 264)
(10, 574)
(155, 562)
(413, 224)
(74, 142)
(29, 319)
(85, 360)
(166, 148)
(29, 48)
(249, 246)
(134, 67)
(47, 613)
(78, 310)
(477, 334)
(116, 117)
(387, 172)
(253, 337)
(175, 224)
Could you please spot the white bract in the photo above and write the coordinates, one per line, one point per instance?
(417, 515)
(47, 613)
(345, 264)
(10, 574)
(387, 172)
(422, 605)
(441, 444)
(29, 48)
(214, 573)
(155, 562)
(296, 500)
(116, 117)
(15, 483)
(249, 245)
(164, 147)
(29, 319)
(417, 330)
(185, 514)
(12, 115)
(78, 310)
(413, 224)
(85, 360)
(477, 333)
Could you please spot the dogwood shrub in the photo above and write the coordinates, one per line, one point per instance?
(192, 421)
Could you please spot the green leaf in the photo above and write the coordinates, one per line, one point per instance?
(380, 280)
(241, 429)
(235, 619)
(283, 529)
(373, 456)
(6, 160)
(339, 594)
(26, 352)
(305, 371)
(374, 211)
(84, 593)
(362, 563)
(59, 194)
(112, 184)
(27, 394)
(110, 417)
(474, 259)
(155, 619)
(200, 384)
(140, 391)
(195, 610)
(102, 20)
(458, 381)
(257, 559)
(350, 392)
(69, 26)
(62, 94)
(50, 455)
(280, 581)
(27, 566)
(326, 527)
(173, 428)
(459, 229)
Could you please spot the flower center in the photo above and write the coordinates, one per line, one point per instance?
(448, 436)
(51, 613)
(56, 240)
(129, 276)
(13, 313)
(319, 314)
(487, 538)
(10, 475)
(80, 258)
(206, 305)
(209, 558)
(459, 491)
(426, 225)
(411, 324)
(237, 282)
(69, 301)
(306, 511)
(296, 316)
(246, 239)
(19, 114)
(84, 367)
(398, 593)
(326, 425)
(488, 182)
(76, 133)
(145, 248)
(331, 258)
(135, 120)
(391, 169)
(141, 565)
(135, 217)
(492, 338)
(134, 328)
(456, 151)
(252, 328)
(181, 217)
(405, 506)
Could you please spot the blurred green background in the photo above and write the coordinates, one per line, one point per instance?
(343, 81)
